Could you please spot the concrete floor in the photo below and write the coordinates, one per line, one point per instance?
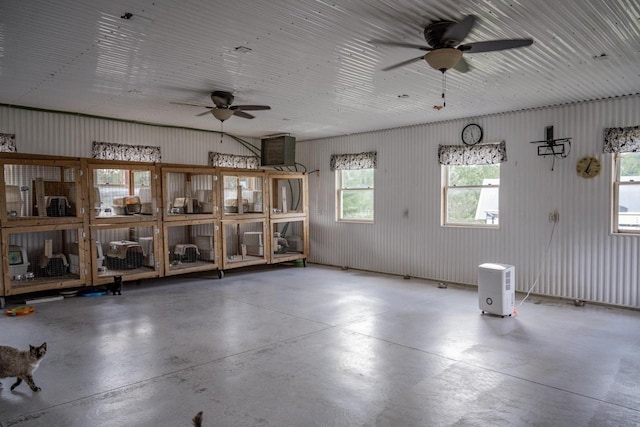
(318, 346)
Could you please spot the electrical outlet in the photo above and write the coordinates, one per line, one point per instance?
(554, 216)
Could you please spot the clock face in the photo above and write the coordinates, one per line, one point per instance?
(588, 167)
(472, 134)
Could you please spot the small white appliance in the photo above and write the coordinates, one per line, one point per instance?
(254, 243)
(18, 262)
(295, 243)
(205, 246)
(13, 200)
(147, 250)
(496, 288)
(100, 257)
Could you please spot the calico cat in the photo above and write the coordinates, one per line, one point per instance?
(197, 420)
(21, 364)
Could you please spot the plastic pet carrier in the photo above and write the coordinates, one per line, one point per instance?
(57, 206)
(128, 205)
(186, 253)
(124, 255)
(55, 265)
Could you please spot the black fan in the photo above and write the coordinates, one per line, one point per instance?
(223, 109)
(444, 50)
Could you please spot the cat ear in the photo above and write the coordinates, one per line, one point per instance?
(44, 345)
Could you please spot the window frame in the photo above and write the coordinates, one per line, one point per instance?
(340, 189)
(445, 187)
(615, 205)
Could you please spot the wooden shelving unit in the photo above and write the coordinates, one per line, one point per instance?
(244, 242)
(191, 245)
(42, 219)
(243, 193)
(38, 258)
(290, 240)
(129, 250)
(122, 192)
(190, 214)
(288, 216)
(40, 190)
(73, 222)
(189, 192)
(124, 220)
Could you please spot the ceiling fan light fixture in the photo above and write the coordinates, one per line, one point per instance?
(443, 59)
(222, 114)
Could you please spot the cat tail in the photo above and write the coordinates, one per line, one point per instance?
(197, 420)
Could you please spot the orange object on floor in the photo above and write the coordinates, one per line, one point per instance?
(23, 310)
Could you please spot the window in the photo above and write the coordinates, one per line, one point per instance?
(354, 185)
(355, 195)
(471, 195)
(627, 193)
(113, 183)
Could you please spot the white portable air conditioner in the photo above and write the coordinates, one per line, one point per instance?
(496, 288)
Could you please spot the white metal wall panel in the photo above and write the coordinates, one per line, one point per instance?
(583, 260)
(69, 135)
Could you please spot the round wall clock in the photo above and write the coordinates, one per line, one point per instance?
(472, 134)
(588, 167)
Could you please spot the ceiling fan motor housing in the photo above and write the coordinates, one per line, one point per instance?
(222, 99)
(433, 35)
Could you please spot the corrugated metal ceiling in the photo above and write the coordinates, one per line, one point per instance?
(310, 60)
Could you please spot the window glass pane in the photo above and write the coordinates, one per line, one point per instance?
(111, 183)
(362, 178)
(356, 204)
(629, 207)
(142, 178)
(472, 205)
(630, 167)
(110, 177)
(474, 175)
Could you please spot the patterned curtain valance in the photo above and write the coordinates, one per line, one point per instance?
(7, 143)
(367, 160)
(481, 154)
(233, 161)
(622, 140)
(134, 153)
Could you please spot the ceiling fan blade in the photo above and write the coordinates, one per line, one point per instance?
(189, 105)
(462, 66)
(400, 44)
(242, 114)
(250, 107)
(457, 32)
(494, 45)
(205, 112)
(403, 63)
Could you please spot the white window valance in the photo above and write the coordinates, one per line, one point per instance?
(7, 143)
(134, 153)
(368, 160)
(480, 154)
(622, 140)
(233, 161)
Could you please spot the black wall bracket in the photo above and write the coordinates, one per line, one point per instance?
(558, 148)
(553, 147)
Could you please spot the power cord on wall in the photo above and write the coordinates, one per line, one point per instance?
(535, 282)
